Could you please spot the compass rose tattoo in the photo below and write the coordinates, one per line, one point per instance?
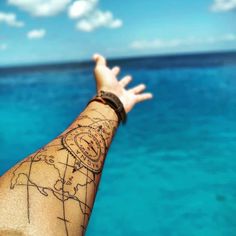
(87, 146)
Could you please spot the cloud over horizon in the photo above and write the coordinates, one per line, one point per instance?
(10, 19)
(173, 43)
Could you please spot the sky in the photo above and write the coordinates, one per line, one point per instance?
(47, 31)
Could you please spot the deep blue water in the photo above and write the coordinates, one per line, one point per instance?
(171, 171)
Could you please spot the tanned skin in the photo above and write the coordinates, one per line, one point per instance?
(52, 191)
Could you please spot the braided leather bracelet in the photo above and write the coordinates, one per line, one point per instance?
(114, 102)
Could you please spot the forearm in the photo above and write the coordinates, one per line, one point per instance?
(52, 191)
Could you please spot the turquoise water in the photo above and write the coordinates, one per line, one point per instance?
(171, 170)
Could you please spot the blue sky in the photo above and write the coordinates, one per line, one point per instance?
(41, 31)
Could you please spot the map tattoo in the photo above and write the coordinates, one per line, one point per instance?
(75, 161)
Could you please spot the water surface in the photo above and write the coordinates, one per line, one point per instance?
(171, 170)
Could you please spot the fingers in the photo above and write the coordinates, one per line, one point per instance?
(143, 97)
(125, 81)
(116, 70)
(139, 96)
(138, 89)
(99, 59)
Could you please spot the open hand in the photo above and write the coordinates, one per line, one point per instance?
(106, 80)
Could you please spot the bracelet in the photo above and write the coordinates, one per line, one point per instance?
(114, 102)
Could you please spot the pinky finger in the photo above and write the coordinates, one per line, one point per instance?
(143, 97)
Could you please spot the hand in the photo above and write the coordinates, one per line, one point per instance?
(106, 80)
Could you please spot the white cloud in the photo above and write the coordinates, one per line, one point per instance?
(91, 17)
(98, 19)
(36, 34)
(41, 8)
(223, 5)
(157, 43)
(81, 8)
(10, 19)
(164, 44)
(3, 47)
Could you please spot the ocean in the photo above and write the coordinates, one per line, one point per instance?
(171, 171)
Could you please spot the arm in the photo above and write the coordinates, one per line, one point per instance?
(52, 191)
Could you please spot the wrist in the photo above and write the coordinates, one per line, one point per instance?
(112, 100)
(119, 93)
(105, 110)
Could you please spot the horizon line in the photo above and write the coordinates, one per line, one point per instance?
(88, 62)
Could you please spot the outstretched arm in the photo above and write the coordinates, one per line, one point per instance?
(52, 191)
